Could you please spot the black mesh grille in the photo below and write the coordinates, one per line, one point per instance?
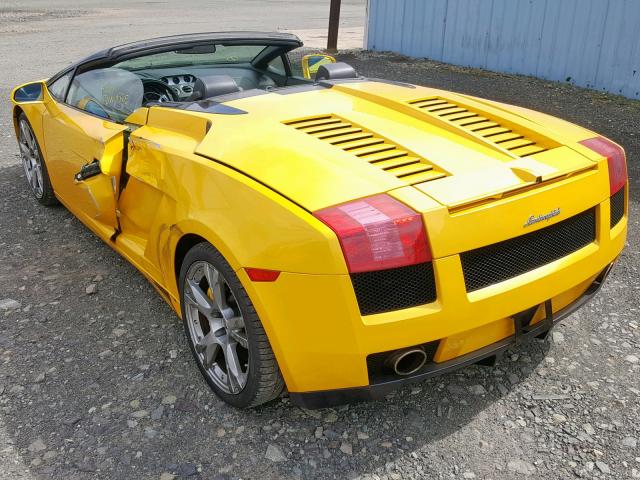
(395, 288)
(617, 207)
(501, 261)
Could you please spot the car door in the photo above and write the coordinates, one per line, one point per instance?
(85, 142)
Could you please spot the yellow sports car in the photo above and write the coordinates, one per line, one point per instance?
(337, 235)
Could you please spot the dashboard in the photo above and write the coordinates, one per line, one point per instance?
(181, 85)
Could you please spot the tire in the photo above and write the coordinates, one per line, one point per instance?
(208, 329)
(35, 168)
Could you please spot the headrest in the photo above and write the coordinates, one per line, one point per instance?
(333, 71)
(208, 86)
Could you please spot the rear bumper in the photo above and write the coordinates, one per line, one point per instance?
(486, 355)
(326, 348)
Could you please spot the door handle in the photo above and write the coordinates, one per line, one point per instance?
(87, 171)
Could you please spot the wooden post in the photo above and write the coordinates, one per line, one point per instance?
(334, 23)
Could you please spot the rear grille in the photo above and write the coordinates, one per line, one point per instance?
(501, 261)
(395, 288)
(617, 207)
(502, 136)
(364, 144)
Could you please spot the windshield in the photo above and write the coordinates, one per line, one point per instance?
(195, 56)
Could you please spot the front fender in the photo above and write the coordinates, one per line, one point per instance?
(33, 106)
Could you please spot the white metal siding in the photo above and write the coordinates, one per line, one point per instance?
(591, 43)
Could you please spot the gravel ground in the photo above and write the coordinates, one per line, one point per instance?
(101, 384)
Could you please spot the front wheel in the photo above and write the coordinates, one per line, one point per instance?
(35, 169)
(224, 332)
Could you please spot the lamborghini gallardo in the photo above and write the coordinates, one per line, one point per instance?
(318, 231)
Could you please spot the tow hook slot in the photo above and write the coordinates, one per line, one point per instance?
(87, 171)
(522, 322)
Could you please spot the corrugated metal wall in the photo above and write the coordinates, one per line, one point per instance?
(591, 43)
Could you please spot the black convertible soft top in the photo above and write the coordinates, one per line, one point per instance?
(287, 41)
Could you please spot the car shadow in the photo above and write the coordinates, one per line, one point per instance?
(102, 385)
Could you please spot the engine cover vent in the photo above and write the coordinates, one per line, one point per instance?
(369, 146)
(486, 128)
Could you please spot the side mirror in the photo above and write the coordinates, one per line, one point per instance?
(311, 63)
(30, 92)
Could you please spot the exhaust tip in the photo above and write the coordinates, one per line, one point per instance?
(408, 361)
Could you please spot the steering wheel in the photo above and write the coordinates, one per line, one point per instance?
(157, 91)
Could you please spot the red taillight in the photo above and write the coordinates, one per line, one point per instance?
(377, 233)
(262, 275)
(615, 160)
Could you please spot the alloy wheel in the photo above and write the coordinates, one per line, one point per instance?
(216, 326)
(31, 159)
